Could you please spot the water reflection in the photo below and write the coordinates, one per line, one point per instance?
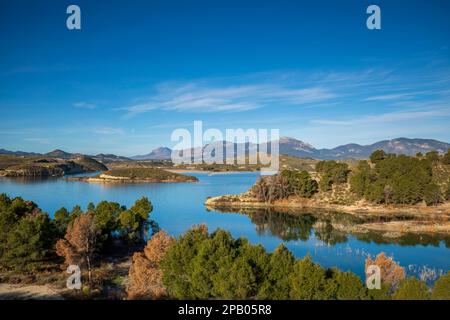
(331, 227)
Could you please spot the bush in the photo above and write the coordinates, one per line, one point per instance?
(432, 194)
(133, 223)
(377, 156)
(441, 290)
(276, 284)
(411, 289)
(271, 188)
(27, 235)
(446, 157)
(347, 286)
(391, 272)
(145, 275)
(361, 180)
(398, 180)
(432, 156)
(336, 172)
(300, 183)
(308, 281)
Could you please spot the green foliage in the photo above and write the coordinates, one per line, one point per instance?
(27, 235)
(377, 156)
(300, 183)
(331, 172)
(411, 289)
(61, 219)
(216, 266)
(106, 218)
(398, 180)
(432, 156)
(276, 284)
(361, 180)
(432, 194)
(346, 286)
(200, 265)
(76, 212)
(156, 174)
(380, 294)
(446, 157)
(441, 290)
(447, 192)
(308, 281)
(133, 223)
(325, 184)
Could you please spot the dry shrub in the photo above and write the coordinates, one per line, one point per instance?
(270, 188)
(145, 275)
(391, 272)
(79, 245)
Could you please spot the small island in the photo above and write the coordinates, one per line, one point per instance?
(136, 175)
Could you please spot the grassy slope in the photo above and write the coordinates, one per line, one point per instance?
(148, 173)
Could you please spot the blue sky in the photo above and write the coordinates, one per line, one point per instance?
(137, 70)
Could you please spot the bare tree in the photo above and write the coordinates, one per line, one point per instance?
(79, 245)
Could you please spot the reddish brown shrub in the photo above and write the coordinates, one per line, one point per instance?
(145, 275)
(391, 272)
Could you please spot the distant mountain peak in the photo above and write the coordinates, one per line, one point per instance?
(58, 153)
(160, 153)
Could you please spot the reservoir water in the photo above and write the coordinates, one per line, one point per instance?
(178, 206)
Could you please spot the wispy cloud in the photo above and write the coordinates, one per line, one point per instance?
(107, 131)
(387, 97)
(202, 97)
(385, 117)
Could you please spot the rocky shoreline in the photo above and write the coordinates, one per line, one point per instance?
(421, 219)
(104, 178)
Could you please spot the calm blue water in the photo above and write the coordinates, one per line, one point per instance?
(179, 206)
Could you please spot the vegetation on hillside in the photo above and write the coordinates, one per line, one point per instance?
(147, 174)
(17, 166)
(196, 265)
(394, 179)
(31, 241)
(200, 265)
(385, 179)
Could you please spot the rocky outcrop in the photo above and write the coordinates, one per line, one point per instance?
(44, 167)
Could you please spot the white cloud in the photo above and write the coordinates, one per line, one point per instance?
(200, 97)
(107, 131)
(385, 117)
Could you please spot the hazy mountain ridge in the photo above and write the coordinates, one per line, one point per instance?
(161, 153)
(60, 154)
(288, 146)
(294, 147)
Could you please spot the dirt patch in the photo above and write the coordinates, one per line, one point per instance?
(31, 292)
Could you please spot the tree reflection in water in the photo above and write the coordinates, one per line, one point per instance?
(291, 225)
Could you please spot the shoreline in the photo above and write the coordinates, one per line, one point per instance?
(206, 171)
(124, 180)
(423, 220)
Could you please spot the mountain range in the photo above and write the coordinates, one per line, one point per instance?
(104, 158)
(288, 146)
(294, 147)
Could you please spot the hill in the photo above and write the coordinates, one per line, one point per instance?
(297, 148)
(161, 153)
(131, 175)
(14, 166)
